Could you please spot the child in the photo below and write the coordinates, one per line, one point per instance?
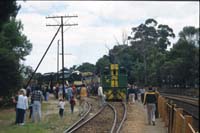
(61, 106)
(72, 103)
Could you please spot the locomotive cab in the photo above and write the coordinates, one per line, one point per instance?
(114, 82)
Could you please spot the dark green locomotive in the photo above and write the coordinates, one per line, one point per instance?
(114, 82)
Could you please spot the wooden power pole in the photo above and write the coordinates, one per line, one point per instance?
(62, 40)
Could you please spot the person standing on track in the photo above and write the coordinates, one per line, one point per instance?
(101, 96)
(150, 100)
(83, 100)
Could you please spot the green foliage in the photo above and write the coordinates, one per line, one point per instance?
(148, 62)
(14, 40)
(8, 8)
(86, 67)
(10, 77)
(14, 46)
(183, 59)
(101, 63)
(150, 41)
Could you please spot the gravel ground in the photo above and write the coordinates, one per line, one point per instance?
(136, 121)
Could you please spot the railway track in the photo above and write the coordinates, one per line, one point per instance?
(186, 99)
(92, 109)
(121, 115)
(109, 118)
(190, 105)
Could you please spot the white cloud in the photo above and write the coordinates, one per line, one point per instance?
(98, 23)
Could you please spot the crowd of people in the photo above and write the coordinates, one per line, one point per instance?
(27, 99)
(32, 97)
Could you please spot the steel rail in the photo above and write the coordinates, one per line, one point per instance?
(82, 124)
(124, 117)
(181, 96)
(115, 118)
(183, 99)
(81, 119)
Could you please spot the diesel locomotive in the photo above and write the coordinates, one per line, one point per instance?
(114, 82)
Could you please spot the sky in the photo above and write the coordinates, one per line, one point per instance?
(100, 25)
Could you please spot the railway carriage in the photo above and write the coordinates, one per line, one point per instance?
(114, 82)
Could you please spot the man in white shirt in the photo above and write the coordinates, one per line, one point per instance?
(101, 96)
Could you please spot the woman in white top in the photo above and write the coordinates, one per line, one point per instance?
(26, 103)
(22, 105)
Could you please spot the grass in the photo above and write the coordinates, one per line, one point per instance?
(50, 123)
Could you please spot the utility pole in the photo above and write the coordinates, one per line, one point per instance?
(58, 61)
(62, 39)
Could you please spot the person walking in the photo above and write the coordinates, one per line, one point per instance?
(127, 93)
(131, 95)
(83, 100)
(69, 93)
(142, 91)
(150, 100)
(72, 104)
(37, 99)
(101, 96)
(61, 106)
(157, 95)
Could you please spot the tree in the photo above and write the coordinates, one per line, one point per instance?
(12, 38)
(150, 38)
(10, 76)
(86, 67)
(8, 8)
(14, 46)
(182, 64)
(164, 31)
(102, 63)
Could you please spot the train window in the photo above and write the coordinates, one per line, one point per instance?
(106, 71)
(122, 70)
(114, 72)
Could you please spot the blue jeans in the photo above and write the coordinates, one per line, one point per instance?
(36, 110)
(151, 108)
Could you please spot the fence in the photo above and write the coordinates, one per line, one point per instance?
(173, 117)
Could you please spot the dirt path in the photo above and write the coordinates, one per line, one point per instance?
(137, 121)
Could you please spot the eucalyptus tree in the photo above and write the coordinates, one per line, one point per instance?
(147, 38)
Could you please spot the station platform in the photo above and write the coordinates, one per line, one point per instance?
(136, 121)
